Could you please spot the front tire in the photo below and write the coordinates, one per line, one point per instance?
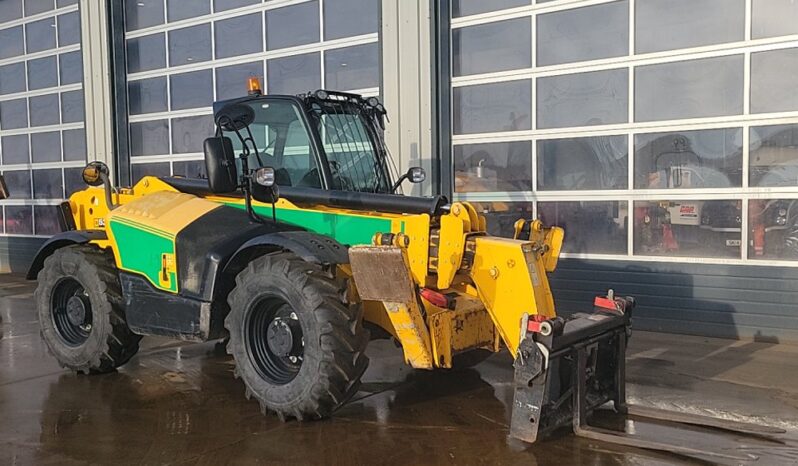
(298, 347)
(79, 305)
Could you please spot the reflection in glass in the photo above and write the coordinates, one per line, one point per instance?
(189, 133)
(583, 163)
(18, 183)
(69, 29)
(11, 43)
(351, 68)
(46, 219)
(190, 45)
(140, 14)
(498, 46)
(774, 80)
(18, 220)
(493, 167)
(146, 53)
(70, 67)
(12, 78)
(587, 33)
(492, 107)
(15, 149)
(473, 7)
(183, 9)
(40, 35)
(74, 144)
(14, 114)
(45, 147)
(140, 170)
(149, 138)
(689, 89)
(689, 159)
(663, 25)
(239, 35)
(688, 228)
(44, 110)
(72, 106)
(10, 10)
(73, 181)
(34, 7)
(42, 73)
(294, 74)
(47, 184)
(292, 25)
(591, 227)
(773, 227)
(191, 90)
(147, 95)
(501, 216)
(774, 18)
(584, 99)
(231, 81)
(346, 18)
(222, 5)
(773, 156)
(189, 169)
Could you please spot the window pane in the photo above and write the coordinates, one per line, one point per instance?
(18, 182)
(146, 53)
(191, 90)
(182, 9)
(72, 106)
(15, 149)
(19, 220)
(473, 7)
(585, 99)
(40, 35)
(147, 95)
(345, 18)
(774, 18)
(69, 29)
(492, 107)
(140, 14)
(689, 159)
(33, 7)
(588, 33)
(501, 216)
(494, 167)
(189, 133)
(295, 74)
(688, 228)
(11, 43)
(63, 3)
(583, 163)
(231, 81)
(46, 147)
(14, 114)
(74, 144)
(774, 156)
(222, 5)
(690, 89)
(44, 110)
(504, 45)
(292, 25)
(664, 24)
(352, 68)
(42, 73)
(73, 181)
(149, 138)
(190, 169)
(590, 227)
(71, 67)
(12, 78)
(47, 184)
(774, 229)
(10, 10)
(46, 219)
(140, 170)
(239, 36)
(774, 80)
(190, 45)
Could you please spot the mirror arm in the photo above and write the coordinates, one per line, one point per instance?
(399, 182)
(108, 195)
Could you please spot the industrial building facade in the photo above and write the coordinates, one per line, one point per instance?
(661, 134)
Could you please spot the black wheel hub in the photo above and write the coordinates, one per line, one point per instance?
(274, 340)
(70, 307)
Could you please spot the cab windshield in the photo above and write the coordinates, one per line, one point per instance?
(284, 143)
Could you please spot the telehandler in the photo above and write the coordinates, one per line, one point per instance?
(295, 246)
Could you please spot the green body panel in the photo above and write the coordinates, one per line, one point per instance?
(140, 251)
(345, 228)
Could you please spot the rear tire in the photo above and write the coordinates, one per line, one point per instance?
(80, 308)
(299, 348)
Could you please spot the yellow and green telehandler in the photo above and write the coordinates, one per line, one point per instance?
(295, 245)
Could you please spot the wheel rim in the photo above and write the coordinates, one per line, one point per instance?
(274, 340)
(70, 307)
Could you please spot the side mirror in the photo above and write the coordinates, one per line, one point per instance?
(220, 165)
(95, 173)
(414, 174)
(264, 187)
(3, 189)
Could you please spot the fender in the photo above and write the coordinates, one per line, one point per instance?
(66, 238)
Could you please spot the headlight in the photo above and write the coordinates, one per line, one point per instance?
(781, 221)
(265, 176)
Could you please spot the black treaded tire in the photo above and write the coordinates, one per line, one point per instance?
(108, 343)
(333, 337)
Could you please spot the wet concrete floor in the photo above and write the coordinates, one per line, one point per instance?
(178, 403)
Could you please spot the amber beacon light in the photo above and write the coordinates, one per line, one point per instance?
(253, 85)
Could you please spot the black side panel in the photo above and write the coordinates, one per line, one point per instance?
(153, 312)
(205, 246)
(59, 241)
(309, 246)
